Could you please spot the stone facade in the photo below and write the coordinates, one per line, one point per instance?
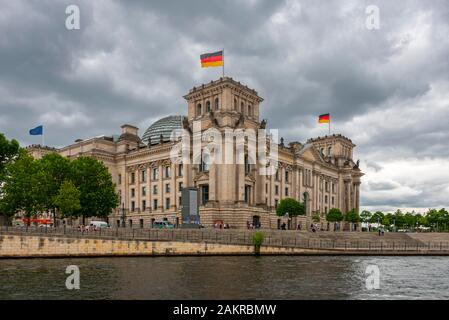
(321, 172)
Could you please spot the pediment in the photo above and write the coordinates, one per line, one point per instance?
(309, 153)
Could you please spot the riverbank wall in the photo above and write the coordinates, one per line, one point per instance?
(20, 246)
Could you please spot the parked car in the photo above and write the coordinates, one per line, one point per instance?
(163, 225)
(96, 225)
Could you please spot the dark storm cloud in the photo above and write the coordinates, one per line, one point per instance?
(133, 60)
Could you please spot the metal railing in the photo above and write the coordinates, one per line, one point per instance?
(234, 237)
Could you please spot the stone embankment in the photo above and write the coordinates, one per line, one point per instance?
(64, 243)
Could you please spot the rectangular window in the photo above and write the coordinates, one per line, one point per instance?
(276, 203)
(204, 194)
(247, 165)
(180, 185)
(133, 177)
(155, 173)
(119, 179)
(180, 170)
(154, 189)
(286, 176)
(333, 200)
(276, 190)
(144, 205)
(133, 206)
(155, 204)
(143, 175)
(325, 199)
(167, 188)
(167, 172)
(286, 192)
(167, 203)
(133, 193)
(144, 191)
(248, 194)
(277, 175)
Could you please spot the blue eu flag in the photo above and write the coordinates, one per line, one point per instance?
(38, 131)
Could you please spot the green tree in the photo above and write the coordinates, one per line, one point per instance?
(68, 199)
(93, 180)
(9, 151)
(334, 215)
(388, 219)
(56, 170)
(377, 216)
(365, 216)
(290, 207)
(352, 216)
(22, 187)
(316, 217)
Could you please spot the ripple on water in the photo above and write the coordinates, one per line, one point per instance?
(296, 277)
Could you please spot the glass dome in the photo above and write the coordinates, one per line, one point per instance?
(163, 127)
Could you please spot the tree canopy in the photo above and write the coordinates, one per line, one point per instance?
(93, 180)
(352, 216)
(82, 187)
(68, 199)
(334, 215)
(9, 151)
(290, 207)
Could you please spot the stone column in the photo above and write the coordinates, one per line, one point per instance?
(161, 187)
(174, 188)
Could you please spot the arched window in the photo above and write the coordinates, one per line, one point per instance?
(235, 104)
(217, 104)
(199, 110)
(208, 106)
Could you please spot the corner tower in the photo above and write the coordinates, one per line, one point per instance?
(227, 101)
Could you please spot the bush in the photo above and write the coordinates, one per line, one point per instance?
(258, 238)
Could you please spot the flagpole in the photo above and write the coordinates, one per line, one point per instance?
(223, 64)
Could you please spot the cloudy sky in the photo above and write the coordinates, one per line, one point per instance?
(131, 62)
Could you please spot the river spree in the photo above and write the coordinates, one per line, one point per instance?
(293, 277)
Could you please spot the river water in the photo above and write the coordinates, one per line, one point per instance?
(286, 277)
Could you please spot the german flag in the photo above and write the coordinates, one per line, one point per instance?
(212, 59)
(324, 118)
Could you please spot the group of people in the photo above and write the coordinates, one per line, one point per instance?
(219, 225)
(253, 225)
